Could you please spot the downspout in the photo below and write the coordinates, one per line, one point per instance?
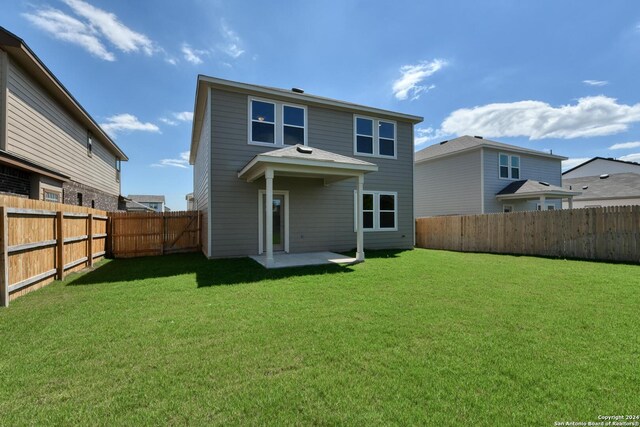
(481, 180)
(4, 98)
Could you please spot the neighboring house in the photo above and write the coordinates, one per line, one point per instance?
(133, 206)
(618, 189)
(50, 147)
(601, 165)
(305, 158)
(155, 203)
(473, 175)
(190, 202)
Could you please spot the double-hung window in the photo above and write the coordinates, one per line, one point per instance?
(374, 137)
(379, 211)
(509, 166)
(276, 123)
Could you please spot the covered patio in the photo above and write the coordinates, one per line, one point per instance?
(305, 162)
(526, 190)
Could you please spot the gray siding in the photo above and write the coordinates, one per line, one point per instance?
(321, 217)
(448, 186)
(531, 167)
(41, 130)
(202, 178)
(601, 166)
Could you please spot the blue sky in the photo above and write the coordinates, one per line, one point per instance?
(547, 75)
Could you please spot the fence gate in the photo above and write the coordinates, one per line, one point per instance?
(134, 234)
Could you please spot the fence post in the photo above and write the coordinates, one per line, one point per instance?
(164, 227)
(60, 245)
(90, 240)
(4, 258)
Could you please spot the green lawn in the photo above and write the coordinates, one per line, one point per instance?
(414, 337)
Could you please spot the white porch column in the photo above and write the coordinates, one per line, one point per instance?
(360, 232)
(542, 200)
(570, 202)
(268, 210)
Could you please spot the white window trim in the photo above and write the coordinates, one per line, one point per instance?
(282, 125)
(505, 206)
(547, 205)
(509, 167)
(56, 192)
(261, 195)
(376, 210)
(278, 124)
(375, 136)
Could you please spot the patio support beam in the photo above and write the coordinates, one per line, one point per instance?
(571, 202)
(542, 200)
(268, 210)
(360, 232)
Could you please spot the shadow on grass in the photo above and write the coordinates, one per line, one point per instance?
(208, 272)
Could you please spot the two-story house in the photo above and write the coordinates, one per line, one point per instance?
(154, 202)
(472, 175)
(282, 170)
(50, 147)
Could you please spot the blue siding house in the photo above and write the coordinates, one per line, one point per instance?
(473, 175)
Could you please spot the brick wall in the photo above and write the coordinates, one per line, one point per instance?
(14, 181)
(101, 200)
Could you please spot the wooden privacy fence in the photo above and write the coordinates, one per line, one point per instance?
(43, 241)
(609, 233)
(134, 234)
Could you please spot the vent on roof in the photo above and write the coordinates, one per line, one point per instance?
(304, 150)
(444, 142)
(297, 90)
(584, 187)
(479, 137)
(546, 184)
(604, 176)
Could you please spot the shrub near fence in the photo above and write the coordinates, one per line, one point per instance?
(43, 241)
(609, 233)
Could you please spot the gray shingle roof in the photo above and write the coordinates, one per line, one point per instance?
(311, 153)
(530, 186)
(144, 198)
(467, 142)
(616, 185)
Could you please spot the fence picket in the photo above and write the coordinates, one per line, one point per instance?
(610, 233)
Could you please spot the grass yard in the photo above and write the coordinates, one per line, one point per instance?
(414, 337)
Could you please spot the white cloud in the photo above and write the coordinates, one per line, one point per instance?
(193, 55)
(184, 116)
(232, 45)
(635, 157)
(168, 121)
(424, 135)
(625, 145)
(92, 29)
(408, 85)
(570, 163)
(595, 82)
(121, 36)
(127, 123)
(181, 162)
(69, 29)
(591, 116)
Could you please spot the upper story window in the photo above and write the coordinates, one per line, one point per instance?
(118, 168)
(276, 123)
(374, 137)
(509, 166)
(89, 144)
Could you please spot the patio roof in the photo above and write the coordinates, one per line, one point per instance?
(530, 189)
(300, 160)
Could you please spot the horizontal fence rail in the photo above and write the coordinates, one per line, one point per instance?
(607, 233)
(43, 241)
(134, 234)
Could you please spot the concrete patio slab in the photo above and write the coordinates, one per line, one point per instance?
(283, 260)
